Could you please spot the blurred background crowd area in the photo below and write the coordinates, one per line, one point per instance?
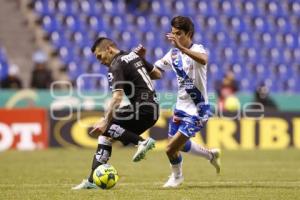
(254, 46)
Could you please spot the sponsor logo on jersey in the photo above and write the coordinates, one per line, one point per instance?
(129, 57)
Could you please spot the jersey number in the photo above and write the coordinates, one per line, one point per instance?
(146, 78)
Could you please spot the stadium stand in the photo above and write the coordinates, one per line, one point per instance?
(258, 40)
(3, 63)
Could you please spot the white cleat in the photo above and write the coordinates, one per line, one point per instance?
(143, 148)
(216, 159)
(174, 181)
(85, 184)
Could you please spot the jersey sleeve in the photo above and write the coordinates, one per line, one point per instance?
(116, 78)
(199, 48)
(149, 67)
(164, 63)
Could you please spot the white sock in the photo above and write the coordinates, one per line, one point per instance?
(104, 140)
(177, 169)
(198, 150)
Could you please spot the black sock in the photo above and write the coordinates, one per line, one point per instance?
(101, 156)
(118, 133)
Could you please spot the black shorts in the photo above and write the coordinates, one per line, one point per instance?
(136, 121)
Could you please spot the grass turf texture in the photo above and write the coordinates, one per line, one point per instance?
(51, 173)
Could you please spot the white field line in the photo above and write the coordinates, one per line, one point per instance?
(200, 183)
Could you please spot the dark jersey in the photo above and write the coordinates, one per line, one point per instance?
(130, 73)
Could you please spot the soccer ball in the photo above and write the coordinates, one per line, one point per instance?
(105, 176)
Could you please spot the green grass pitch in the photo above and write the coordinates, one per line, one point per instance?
(50, 174)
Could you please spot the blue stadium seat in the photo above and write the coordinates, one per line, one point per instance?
(95, 23)
(181, 7)
(239, 70)
(248, 84)
(275, 8)
(205, 8)
(66, 53)
(237, 24)
(50, 24)
(142, 23)
(250, 8)
(158, 7)
(244, 39)
(128, 39)
(227, 8)
(67, 7)
(74, 70)
(44, 7)
(213, 23)
(294, 7)
(163, 23)
(73, 23)
(261, 24)
(282, 24)
(58, 39)
(267, 39)
(118, 22)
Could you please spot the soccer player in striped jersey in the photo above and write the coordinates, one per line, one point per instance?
(189, 61)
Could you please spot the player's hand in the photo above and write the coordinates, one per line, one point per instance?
(140, 50)
(99, 128)
(174, 40)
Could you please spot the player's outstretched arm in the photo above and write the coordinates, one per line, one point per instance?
(155, 74)
(115, 102)
(201, 58)
(114, 105)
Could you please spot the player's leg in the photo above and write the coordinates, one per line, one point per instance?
(118, 131)
(120, 127)
(129, 131)
(173, 152)
(101, 156)
(212, 155)
(145, 122)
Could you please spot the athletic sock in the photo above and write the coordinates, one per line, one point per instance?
(176, 165)
(198, 150)
(102, 154)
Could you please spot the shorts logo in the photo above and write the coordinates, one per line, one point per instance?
(191, 129)
(115, 131)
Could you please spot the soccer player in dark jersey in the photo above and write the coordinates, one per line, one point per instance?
(128, 75)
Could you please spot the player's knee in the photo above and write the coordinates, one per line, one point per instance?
(187, 146)
(170, 151)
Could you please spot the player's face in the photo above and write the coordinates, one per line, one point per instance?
(183, 38)
(103, 56)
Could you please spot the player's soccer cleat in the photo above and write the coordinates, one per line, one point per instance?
(85, 184)
(174, 181)
(216, 159)
(143, 148)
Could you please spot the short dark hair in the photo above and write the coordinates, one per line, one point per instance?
(102, 42)
(183, 23)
